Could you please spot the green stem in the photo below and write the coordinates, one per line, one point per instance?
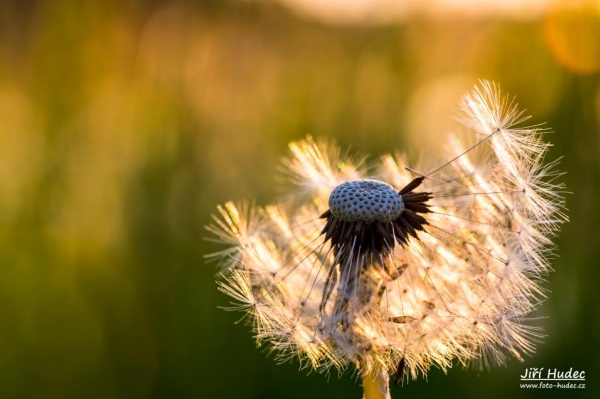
(376, 385)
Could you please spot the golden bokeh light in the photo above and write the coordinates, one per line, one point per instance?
(366, 12)
(572, 30)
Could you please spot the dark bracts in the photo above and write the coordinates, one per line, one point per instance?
(378, 238)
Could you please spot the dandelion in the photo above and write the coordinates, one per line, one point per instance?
(393, 269)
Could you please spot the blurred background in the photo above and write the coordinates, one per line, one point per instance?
(124, 123)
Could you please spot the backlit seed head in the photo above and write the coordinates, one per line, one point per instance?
(367, 201)
(443, 267)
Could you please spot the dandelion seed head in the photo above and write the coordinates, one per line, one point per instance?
(402, 270)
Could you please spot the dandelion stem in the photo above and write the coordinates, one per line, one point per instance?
(376, 385)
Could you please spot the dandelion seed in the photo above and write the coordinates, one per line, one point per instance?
(392, 270)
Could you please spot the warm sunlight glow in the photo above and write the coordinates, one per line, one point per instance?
(572, 31)
(384, 11)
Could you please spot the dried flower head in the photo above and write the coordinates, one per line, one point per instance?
(402, 270)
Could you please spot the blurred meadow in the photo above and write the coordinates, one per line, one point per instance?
(124, 124)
